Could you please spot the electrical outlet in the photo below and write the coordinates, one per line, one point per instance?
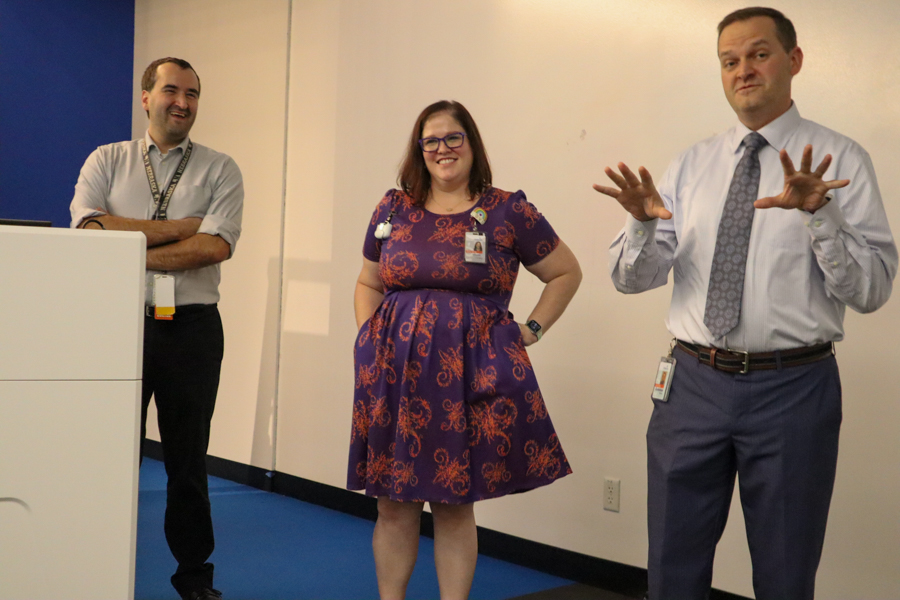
(611, 494)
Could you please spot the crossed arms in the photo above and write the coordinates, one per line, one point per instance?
(109, 194)
(171, 245)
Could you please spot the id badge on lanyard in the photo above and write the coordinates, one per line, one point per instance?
(164, 285)
(164, 297)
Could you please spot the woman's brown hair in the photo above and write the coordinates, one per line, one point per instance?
(414, 178)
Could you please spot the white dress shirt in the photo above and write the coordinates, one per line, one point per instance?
(113, 180)
(802, 268)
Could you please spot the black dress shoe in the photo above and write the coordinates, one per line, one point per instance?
(205, 594)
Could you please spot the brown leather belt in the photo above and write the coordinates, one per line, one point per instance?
(732, 361)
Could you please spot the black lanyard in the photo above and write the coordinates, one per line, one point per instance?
(161, 203)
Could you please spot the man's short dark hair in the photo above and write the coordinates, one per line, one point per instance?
(784, 29)
(149, 78)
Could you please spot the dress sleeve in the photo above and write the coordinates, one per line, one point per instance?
(534, 238)
(372, 245)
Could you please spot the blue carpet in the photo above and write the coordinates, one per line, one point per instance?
(269, 547)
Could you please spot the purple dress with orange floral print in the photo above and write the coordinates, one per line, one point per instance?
(447, 408)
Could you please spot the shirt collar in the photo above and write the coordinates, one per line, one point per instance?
(776, 133)
(151, 144)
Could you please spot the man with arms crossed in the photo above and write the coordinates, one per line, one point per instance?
(188, 201)
(766, 258)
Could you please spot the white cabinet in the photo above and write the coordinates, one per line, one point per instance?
(71, 331)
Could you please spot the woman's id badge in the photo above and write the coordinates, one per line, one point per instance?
(663, 379)
(476, 247)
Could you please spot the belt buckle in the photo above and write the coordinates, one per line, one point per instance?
(746, 368)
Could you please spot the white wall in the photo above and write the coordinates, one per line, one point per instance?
(240, 51)
(559, 90)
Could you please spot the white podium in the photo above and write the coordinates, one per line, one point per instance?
(71, 344)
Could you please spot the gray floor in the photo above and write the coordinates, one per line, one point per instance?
(575, 591)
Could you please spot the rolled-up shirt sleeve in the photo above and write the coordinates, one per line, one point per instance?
(227, 207)
(91, 190)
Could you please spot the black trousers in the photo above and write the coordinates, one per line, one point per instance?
(182, 361)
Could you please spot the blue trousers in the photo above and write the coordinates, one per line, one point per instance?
(778, 430)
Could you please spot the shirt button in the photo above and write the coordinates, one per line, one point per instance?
(834, 263)
(818, 223)
(640, 233)
(629, 268)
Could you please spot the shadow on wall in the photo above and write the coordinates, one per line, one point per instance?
(263, 428)
(306, 313)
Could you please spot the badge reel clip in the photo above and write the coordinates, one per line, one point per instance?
(383, 230)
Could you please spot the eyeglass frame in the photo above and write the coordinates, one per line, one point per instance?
(442, 139)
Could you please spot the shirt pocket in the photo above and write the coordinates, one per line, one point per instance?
(189, 200)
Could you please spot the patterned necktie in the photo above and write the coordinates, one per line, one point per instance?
(726, 278)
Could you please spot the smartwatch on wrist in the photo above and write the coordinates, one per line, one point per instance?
(535, 328)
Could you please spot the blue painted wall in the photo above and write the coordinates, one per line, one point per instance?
(65, 88)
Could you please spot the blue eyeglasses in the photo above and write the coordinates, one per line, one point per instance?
(451, 140)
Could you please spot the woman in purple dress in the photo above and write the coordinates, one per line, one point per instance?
(447, 409)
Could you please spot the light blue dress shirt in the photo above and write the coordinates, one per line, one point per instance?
(113, 180)
(802, 268)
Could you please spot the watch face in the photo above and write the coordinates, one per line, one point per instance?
(534, 326)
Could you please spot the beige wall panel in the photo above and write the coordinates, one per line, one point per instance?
(316, 371)
(560, 90)
(239, 48)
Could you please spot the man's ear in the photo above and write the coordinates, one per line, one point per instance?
(796, 60)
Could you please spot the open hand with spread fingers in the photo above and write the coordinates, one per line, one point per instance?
(638, 196)
(803, 189)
